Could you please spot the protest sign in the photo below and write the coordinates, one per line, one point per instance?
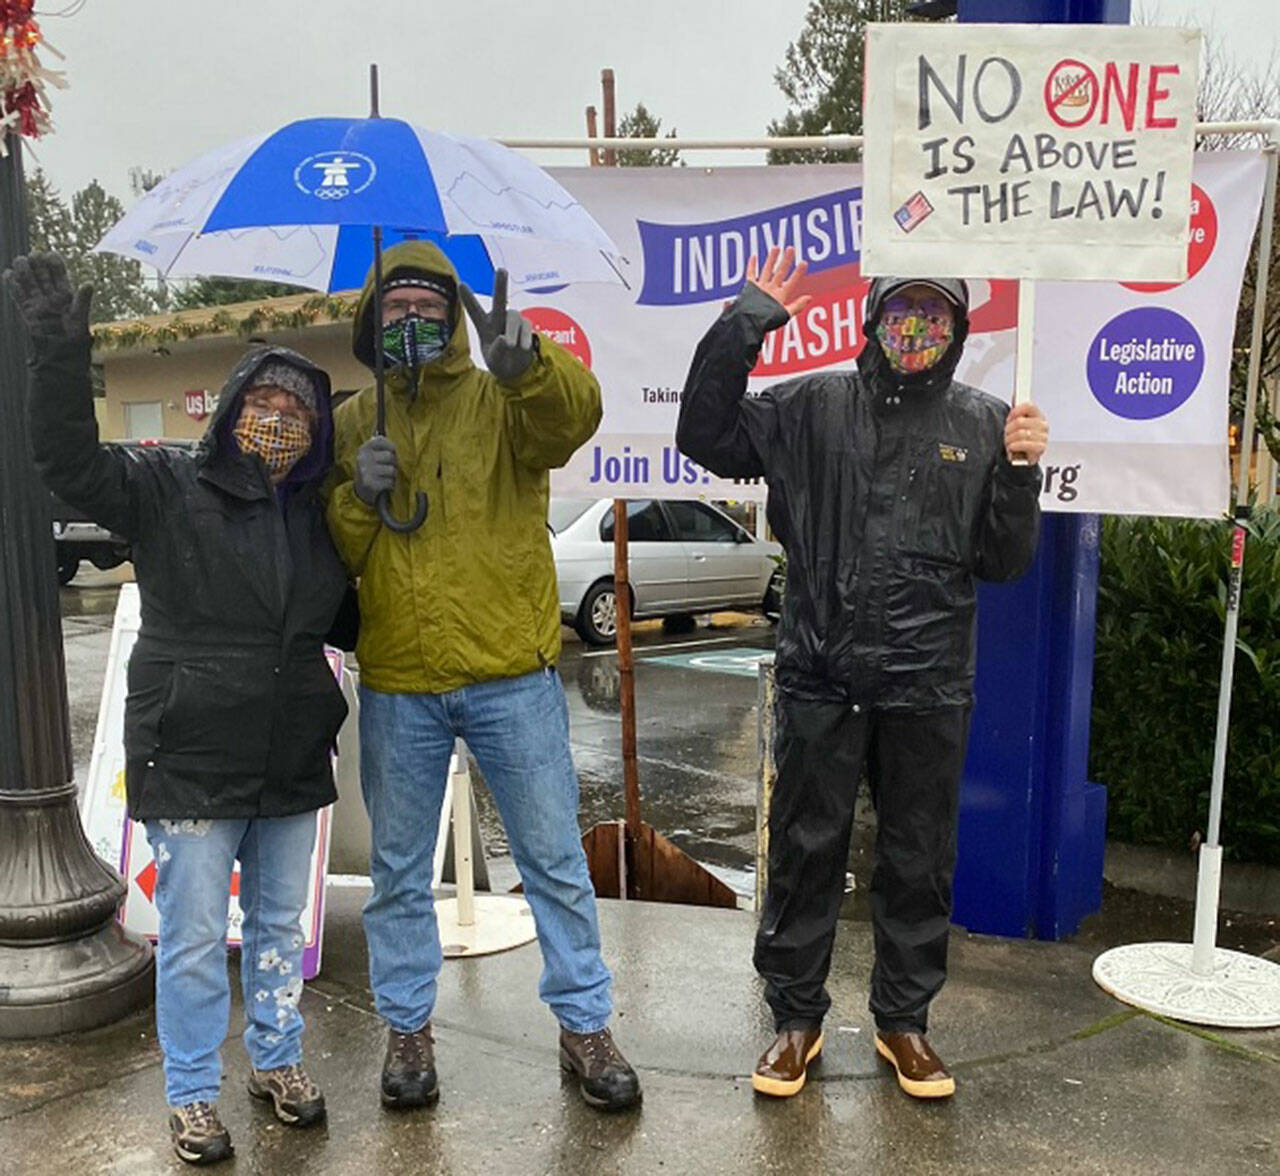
(688, 232)
(1033, 151)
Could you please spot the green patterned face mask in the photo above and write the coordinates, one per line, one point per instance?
(414, 341)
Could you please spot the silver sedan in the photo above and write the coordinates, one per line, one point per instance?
(685, 558)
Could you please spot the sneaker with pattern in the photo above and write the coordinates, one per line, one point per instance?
(296, 1100)
(198, 1134)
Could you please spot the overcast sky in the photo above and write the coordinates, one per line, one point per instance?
(157, 82)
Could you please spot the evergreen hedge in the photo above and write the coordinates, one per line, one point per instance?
(1161, 609)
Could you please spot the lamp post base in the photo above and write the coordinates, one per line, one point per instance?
(65, 962)
(1239, 992)
(75, 984)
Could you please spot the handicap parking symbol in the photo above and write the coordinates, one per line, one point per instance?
(743, 662)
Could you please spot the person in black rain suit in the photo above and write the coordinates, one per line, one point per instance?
(891, 488)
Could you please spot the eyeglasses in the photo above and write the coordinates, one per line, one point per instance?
(426, 307)
(285, 403)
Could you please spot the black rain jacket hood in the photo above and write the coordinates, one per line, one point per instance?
(874, 364)
(890, 494)
(219, 450)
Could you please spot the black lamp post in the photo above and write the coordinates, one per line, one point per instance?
(65, 963)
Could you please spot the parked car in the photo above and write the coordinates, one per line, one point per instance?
(77, 537)
(686, 557)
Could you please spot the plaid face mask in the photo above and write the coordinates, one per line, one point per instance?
(915, 335)
(281, 441)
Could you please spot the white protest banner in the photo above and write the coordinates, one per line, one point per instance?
(1134, 376)
(687, 234)
(1029, 151)
(123, 843)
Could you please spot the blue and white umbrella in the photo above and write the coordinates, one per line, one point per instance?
(313, 203)
(297, 206)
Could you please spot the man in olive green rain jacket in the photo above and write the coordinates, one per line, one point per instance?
(459, 637)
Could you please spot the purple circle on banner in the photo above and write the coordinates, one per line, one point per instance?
(1145, 363)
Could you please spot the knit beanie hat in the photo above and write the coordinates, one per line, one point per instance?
(440, 283)
(277, 374)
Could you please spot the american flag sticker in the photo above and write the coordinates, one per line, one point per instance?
(913, 212)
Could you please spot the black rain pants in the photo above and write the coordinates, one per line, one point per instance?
(914, 761)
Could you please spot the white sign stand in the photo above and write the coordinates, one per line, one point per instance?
(1199, 981)
(473, 924)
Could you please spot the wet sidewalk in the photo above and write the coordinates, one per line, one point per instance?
(1053, 1076)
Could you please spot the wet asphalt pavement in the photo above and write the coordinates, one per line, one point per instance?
(1053, 1075)
(696, 734)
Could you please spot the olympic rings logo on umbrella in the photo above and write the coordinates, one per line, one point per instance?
(339, 174)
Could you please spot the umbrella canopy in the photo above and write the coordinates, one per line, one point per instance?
(296, 206)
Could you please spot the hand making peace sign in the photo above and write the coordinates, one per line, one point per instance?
(506, 336)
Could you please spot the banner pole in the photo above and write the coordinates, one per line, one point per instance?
(463, 865)
(1026, 336)
(1025, 342)
(1208, 882)
(1264, 127)
(626, 666)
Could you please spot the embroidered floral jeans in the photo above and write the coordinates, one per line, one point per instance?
(194, 860)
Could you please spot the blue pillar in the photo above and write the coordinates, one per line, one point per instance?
(1043, 11)
(1032, 827)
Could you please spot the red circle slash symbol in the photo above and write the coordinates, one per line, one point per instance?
(1073, 85)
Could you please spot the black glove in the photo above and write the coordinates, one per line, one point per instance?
(39, 285)
(375, 469)
(507, 340)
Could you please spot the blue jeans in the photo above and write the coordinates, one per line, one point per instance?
(518, 731)
(194, 860)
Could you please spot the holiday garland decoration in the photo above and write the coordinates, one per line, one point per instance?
(24, 103)
(280, 314)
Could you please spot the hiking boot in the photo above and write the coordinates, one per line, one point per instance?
(783, 1067)
(409, 1070)
(295, 1099)
(920, 1071)
(198, 1134)
(604, 1077)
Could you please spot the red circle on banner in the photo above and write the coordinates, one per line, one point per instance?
(1204, 236)
(1072, 84)
(560, 328)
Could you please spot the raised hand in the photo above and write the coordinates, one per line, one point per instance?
(779, 278)
(506, 336)
(41, 289)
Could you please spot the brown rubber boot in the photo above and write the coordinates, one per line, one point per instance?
(920, 1071)
(783, 1067)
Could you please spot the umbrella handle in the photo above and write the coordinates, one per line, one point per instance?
(410, 524)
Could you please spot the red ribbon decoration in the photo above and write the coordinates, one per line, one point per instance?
(19, 35)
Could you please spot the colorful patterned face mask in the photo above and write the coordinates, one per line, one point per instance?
(281, 441)
(413, 340)
(915, 331)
